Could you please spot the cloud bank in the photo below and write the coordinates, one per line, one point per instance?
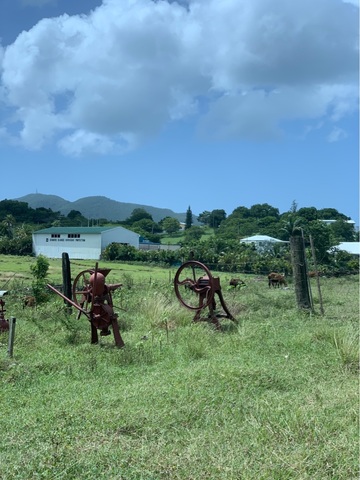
(107, 81)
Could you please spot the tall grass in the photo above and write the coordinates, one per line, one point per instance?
(274, 396)
(347, 348)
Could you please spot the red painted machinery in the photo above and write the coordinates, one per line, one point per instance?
(195, 288)
(4, 324)
(93, 298)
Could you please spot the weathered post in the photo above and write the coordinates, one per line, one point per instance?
(11, 336)
(66, 274)
(298, 260)
(317, 275)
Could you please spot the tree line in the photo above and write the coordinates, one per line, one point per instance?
(215, 240)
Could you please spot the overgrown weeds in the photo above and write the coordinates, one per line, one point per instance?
(347, 348)
(274, 396)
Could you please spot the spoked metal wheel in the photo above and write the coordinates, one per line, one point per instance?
(82, 291)
(193, 285)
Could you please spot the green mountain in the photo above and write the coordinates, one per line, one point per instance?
(97, 207)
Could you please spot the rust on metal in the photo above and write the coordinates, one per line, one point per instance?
(194, 277)
(4, 324)
(92, 297)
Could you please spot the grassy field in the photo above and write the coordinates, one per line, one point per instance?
(176, 238)
(274, 396)
(16, 271)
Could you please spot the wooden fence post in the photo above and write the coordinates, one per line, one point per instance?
(301, 281)
(66, 274)
(11, 336)
(317, 275)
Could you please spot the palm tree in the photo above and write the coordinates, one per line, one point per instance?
(8, 223)
(291, 225)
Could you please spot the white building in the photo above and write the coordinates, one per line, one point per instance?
(330, 222)
(80, 242)
(263, 243)
(349, 247)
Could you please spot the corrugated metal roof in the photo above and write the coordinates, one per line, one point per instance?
(83, 230)
(262, 238)
(350, 247)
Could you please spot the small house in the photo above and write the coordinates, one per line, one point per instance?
(263, 243)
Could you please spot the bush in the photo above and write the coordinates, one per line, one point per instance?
(40, 272)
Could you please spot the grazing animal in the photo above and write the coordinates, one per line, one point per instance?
(29, 301)
(276, 279)
(237, 282)
(314, 274)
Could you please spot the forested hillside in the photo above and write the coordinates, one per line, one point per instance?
(96, 207)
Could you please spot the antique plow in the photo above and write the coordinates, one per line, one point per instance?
(195, 289)
(92, 297)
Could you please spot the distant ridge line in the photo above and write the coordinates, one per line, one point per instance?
(97, 207)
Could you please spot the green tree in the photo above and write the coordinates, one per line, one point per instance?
(341, 231)
(43, 215)
(330, 214)
(21, 243)
(268, 225)
(170, 225)
(189, 218)
(290, 224)
(264, 210)
(342, 263)
(308, 213)
(294, 207)
(193, 234)
(321, 236)
(216, 218)
(74, 218)
(19, 210)
(204, 217)
(240, 212)
(9, 223)
(138, 214)
(74, 214)
(146, 225)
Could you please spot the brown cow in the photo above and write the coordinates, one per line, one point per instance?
(276, 279)
(314, 274)
(237, 282)
(29, 301)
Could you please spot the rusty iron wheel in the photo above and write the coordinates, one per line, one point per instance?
(82, 290)
(193, 280)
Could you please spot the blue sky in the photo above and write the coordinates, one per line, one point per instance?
(200, 103)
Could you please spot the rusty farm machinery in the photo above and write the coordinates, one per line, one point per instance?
(194, 285)
(4, 324)
(92, 297)
(196, 288)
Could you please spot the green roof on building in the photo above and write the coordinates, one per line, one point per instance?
(83, 230)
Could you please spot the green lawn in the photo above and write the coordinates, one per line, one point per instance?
(274, 396)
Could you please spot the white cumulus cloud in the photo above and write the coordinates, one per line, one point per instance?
(107, 81)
